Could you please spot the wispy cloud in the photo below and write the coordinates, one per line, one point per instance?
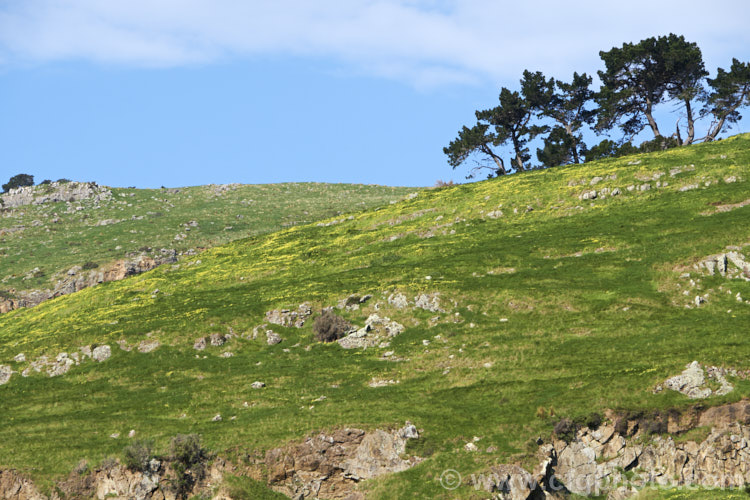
(423, 42)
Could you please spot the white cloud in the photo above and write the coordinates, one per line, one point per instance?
(424, 42)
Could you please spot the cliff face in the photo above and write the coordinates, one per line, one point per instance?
(621, 458)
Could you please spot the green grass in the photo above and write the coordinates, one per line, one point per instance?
(589, 290)
(153, 217)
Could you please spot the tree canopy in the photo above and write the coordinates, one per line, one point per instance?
(19, 180)
(638, 78)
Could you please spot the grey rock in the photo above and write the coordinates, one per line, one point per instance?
(146, 346)
(20, 358)
(217, 339)
(199, 344)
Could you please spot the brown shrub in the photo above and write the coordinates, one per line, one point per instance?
(329, 327)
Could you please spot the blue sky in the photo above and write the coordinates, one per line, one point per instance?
(181, 92)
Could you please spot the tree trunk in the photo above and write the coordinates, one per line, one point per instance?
(690, 124)
(569, 130)
(712, 133)
(498, 161)
(651, 121)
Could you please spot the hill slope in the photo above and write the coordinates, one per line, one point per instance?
(47, 230)
(549, 302)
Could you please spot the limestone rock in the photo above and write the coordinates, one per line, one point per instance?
(428, 302)
(62, 364)
(101, 353)
(398, 300)
(199, 344)
(273, 338)
(5, 374)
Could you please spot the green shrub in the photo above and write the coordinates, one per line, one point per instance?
(138, 454)
(329, 327)
(89, 265)
(188, 462)
(20, 180)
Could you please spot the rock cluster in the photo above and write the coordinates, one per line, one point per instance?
(330, 465)
(427, 301)
(287, 317)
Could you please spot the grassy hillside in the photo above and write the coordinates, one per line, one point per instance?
(551, 305)
(39, 243)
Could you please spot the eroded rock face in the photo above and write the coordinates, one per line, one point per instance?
(603, 461)
(80, 280)
(330, 465)
(113, 482)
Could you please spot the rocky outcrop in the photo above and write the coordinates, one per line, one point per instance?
(731, 264)
(55, 192)
(376, 332)
(693, 382)
(76, 279)
(13, 486)
(330, 465)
